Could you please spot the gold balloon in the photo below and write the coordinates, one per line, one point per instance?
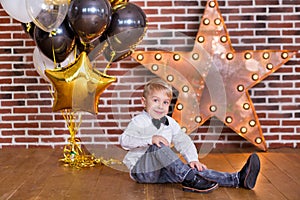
(115, 3)
(213, 79)
(78, 86)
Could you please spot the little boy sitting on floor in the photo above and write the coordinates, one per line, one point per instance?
(150, 159)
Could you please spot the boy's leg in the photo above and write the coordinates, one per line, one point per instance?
(249, 173)
(245, 178)
(160, 165)
(222, 178)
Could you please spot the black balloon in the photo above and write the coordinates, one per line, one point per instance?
(89, 18)
(127, 27)
(60, 42)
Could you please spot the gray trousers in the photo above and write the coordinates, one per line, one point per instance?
(162, 165)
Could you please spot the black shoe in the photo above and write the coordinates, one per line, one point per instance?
(248, 174)
(199, 184)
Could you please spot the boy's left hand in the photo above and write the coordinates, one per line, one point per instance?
(199, 166)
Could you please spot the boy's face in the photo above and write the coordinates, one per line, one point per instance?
(157, 104)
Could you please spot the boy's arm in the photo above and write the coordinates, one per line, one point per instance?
(135, 136)
(184, 144)
(198, 165)
(186, 147)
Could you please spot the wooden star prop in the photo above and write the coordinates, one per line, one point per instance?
(213, 79)
(78, 86)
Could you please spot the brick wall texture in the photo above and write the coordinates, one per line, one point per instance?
(26, 115)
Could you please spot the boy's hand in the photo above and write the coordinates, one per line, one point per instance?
(156, 139)
(199, 166)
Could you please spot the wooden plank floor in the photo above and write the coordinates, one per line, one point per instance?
(37, 174)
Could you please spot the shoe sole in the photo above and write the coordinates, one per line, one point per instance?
(251, 176)
(189, 189)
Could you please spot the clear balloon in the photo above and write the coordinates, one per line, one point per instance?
(16, 9)
(47, 14)
(95, 48)
(88, 47)
(113, 56)
(89, 18)
(42, 62)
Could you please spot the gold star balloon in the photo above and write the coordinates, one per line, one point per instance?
(213, 79)
(78, 86)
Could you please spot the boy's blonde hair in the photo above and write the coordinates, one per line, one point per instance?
(157, 84)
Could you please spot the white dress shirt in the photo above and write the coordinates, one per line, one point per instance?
(138, 136)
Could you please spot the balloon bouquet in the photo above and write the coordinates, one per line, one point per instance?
(69, 35)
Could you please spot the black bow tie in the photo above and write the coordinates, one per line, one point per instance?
(157, 122)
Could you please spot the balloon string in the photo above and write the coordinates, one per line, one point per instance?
(72, 122)
(28, 27)
(53, 52)
(52, 95)
(85, 46)
(112, 55)
(75, 53)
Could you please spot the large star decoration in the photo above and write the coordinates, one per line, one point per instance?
(213, 79)
(78, 86)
